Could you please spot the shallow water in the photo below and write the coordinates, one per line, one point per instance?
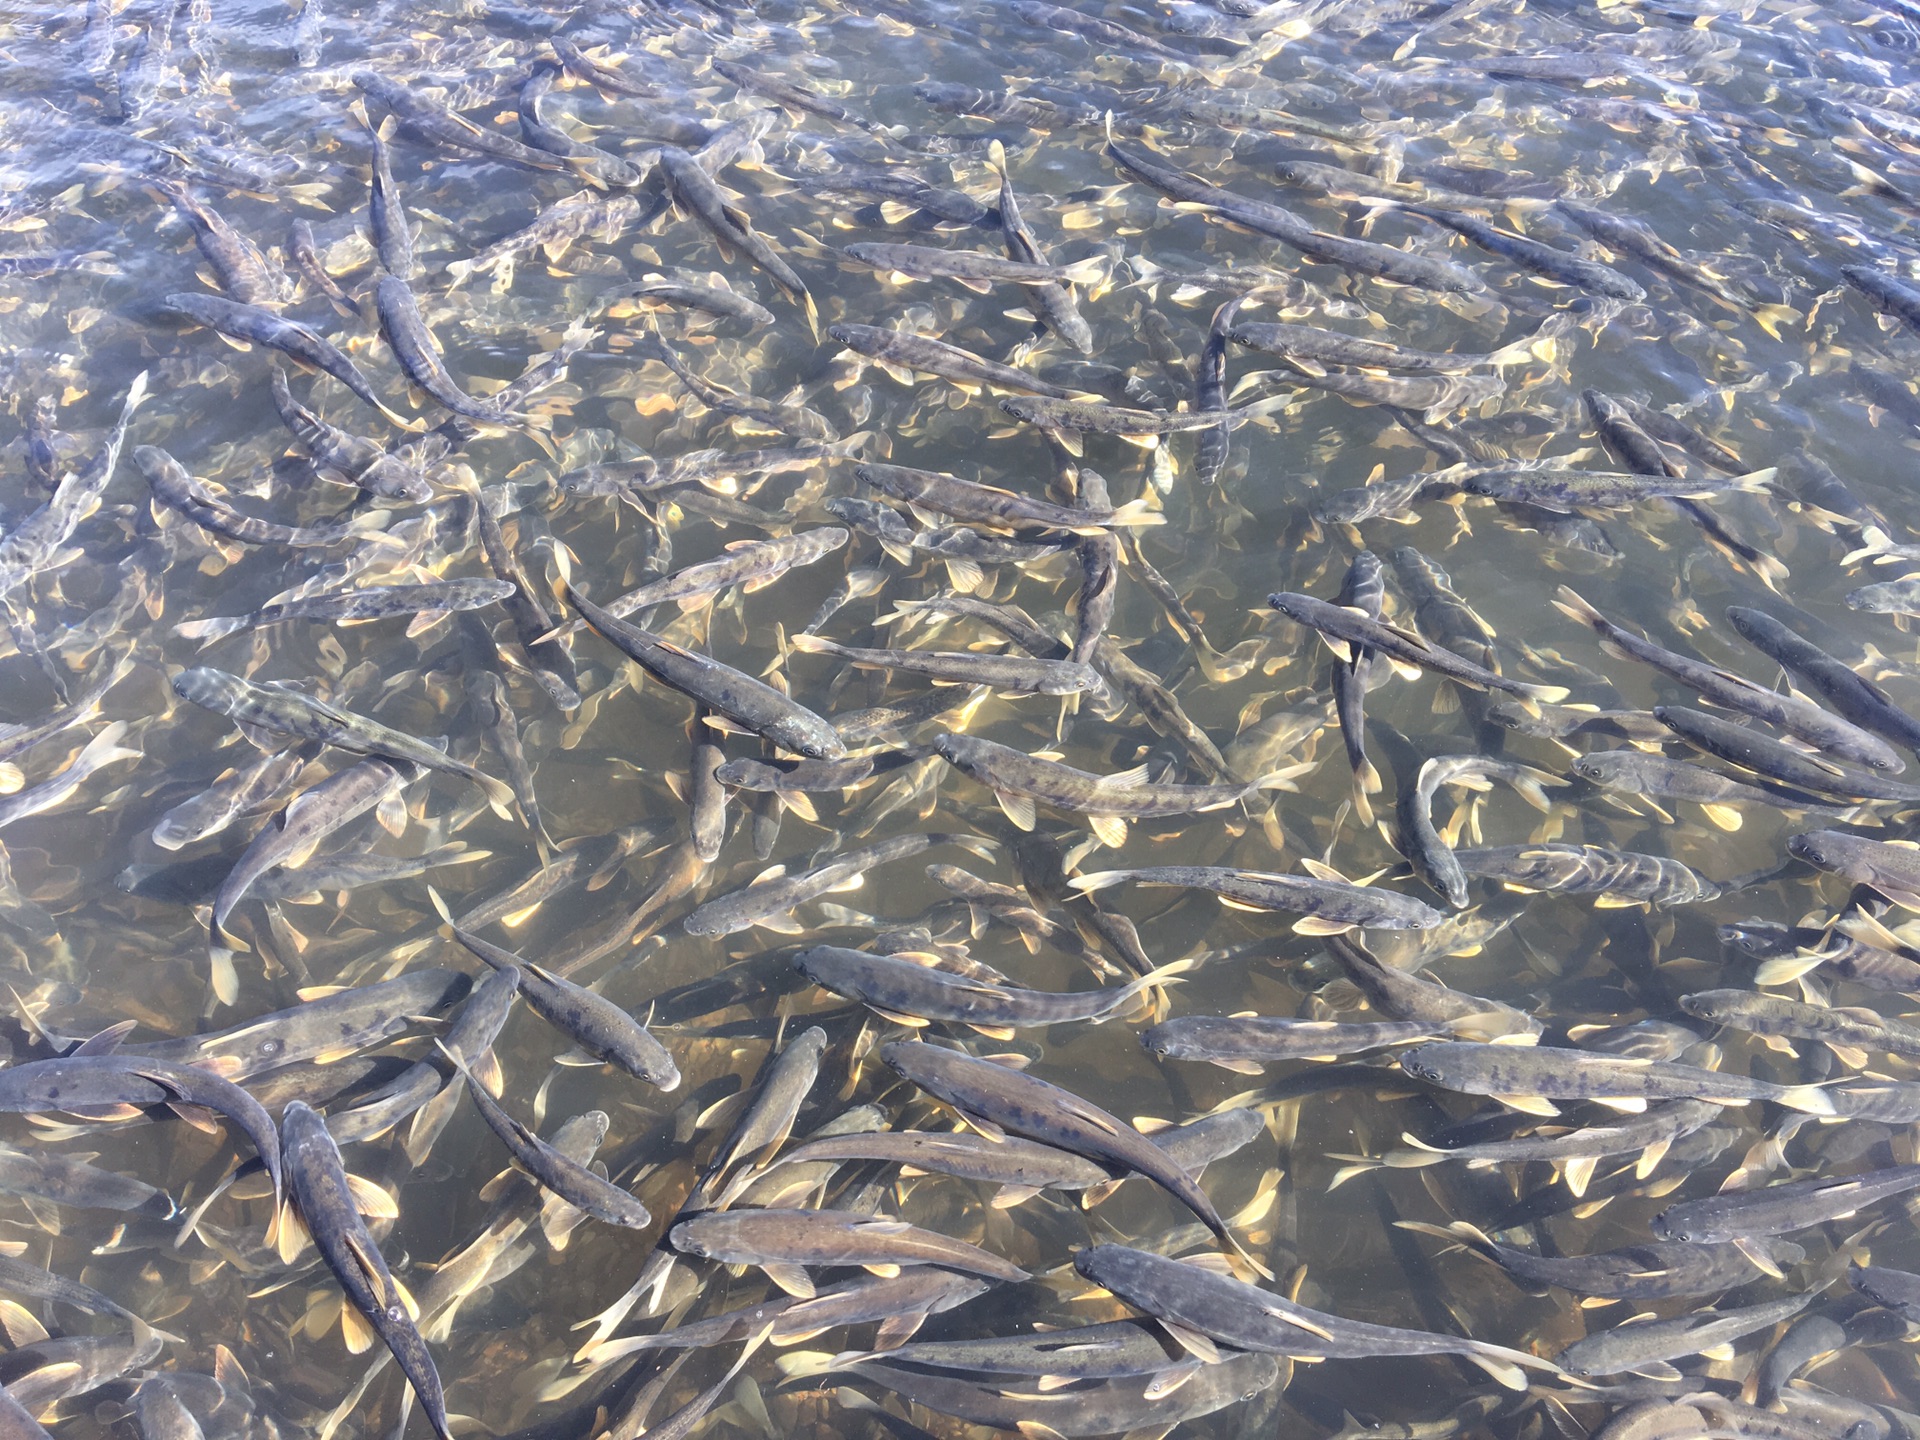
(1705, 122)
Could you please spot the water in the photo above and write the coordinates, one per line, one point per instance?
(1771, 144)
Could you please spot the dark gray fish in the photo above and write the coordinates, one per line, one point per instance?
(434, 123)
(290, 712)
(1781, 1209)
(1361, 257)
(1328, 906)
(598, 1026)
(1643, 1349)
(1618, 877)
(732, 694)
(913, 992)
(414, 347)
(1747, 747)
(1054, 300)
(1007, 674)
(252, 325)
(1536, 1073)
(1230, 1312)
(1086, 1352)
(1855, 697)
(1655, 1271)
(1353, 630)
(1249, 1043)
(326, 1029)
(1544, 260)
(91, 1081)
(597, 167)
(567, 1178)
(903, 350)
(304, 253)
(386, 213)
(1105, 1407)
(340, 455)
(423, 605)
(683, 295)
(769, 901)
(1733, 692)
(784, 1242)
(974, 269)
(187, 496)
(1633, 772)
(996, 1097)
(695, 192)
(318, 1183)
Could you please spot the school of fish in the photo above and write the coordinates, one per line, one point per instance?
(682, 675)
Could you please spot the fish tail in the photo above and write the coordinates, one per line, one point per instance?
(210, 630)
(1809, 1098)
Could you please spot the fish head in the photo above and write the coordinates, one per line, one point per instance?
(1758, 938)
(1596, 767)
(1816, 847)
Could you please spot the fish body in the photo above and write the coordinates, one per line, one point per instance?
(770, 901)
(1330, 906)
(895, 986)
(1354, 631)
(831, 1237)
(317, 1181)
(340, 455)
(437, 125)
(1851, 694)
(1008, 674)
(1252, 1042)
(300, 343)
(596, 1024)
(1246, 1317)
(1017, 777)
(290, 712)
(180, 492)
(727, 692)
(1028, 1106)
(1750, 749)
(1782, 1209)
(1733, 692)
(1553, 1073)
(413, 346)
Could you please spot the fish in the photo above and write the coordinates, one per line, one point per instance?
(695, 193)
(1733, 692)
(602, 1029)
(1854, 697)
(1006, 674)
(318, 1184)
(1544, 260)
(423, 605)
(915, 993)
(784, 1242)
(1329, 906)
(1350, 629)
(290, 712)
(1781, 1209)
(1632, 772)
(731, 695)
(386, 211)
(341, 455)
(974, 269)
(1249, 1043)
(768, 902)
(1644, 1349)
(1019, 780)
(1361, 257)
(1054, 300)
(1545, 1073)
(194, 499)
(995, 1098)
(253, 325)
(1191, 1301)
(1752, 749)
(565, 1177)
(1653, 1271)
(428, 120)
(413, 345)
